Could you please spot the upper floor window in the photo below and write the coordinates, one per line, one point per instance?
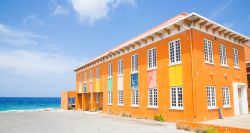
(134, 63)
(97, 73)
(236, 57)
(109, 70)
(175, 52)
(223, 55)
(120, 67)
(85, 76)
(90, 76)
(152, 58)
(208, 51)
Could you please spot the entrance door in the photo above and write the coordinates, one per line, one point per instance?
(240, 100)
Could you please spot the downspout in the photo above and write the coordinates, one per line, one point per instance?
(193, 74)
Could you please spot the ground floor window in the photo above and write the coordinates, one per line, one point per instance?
(135, 98)
(110, 97)
(176, 97)
(211, 98)
(226, 96)
(120, 97)
(152, 97)
(97, 98)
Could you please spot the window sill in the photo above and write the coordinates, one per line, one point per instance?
(120, 75)
(174, 64)
(109, 78)
(237, 68)
(135, 106)
(134, 72)
(226, 107)
(174, 108)
(209, 63)
(151, 69)
(153, 107)
(226, 66)
(109, 104)
(212, 108)
(121, 105)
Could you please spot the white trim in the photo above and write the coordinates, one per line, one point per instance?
(244, 99)
(175, 108)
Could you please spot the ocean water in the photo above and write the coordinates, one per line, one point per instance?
(28, 103)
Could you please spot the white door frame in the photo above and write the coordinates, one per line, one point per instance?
(243, 88)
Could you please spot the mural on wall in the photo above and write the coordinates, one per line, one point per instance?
(97, 86)
(134, 81)
(152, 79)
(175, 75)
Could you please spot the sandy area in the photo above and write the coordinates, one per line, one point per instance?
(78, 122)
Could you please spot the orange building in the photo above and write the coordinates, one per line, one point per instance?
(188, 68)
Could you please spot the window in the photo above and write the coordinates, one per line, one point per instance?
(85, 77)
(176, 97)
(226, 97)
(211, 99)
(175, 52)
(135, 98)
(109, 97)
(152, 58)
(80, 77)
(208, 50)
(109, 70)
(97, 98)
(134, 63)
(120, 67)
(152, 97)
(223, 55)
(90, 76)
(97, 73)
(236, 57)
(120, 97)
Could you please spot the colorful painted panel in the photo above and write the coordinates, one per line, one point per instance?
(120, 83)
(97, 86)
(175, 75)
(152, 79)
(85, 88)
(134, 81)
(110, 84)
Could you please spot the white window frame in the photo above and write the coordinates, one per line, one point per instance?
(223, 55)
(134, 63)
(135, 98)
(152, 58)
(110, 70)
(97, 73)
(236, 58)
(90, 76)
(152, 98)
(85, 77)
(120, 97)
(208, 51)
(174, 96)
(211, 98)
(110, 98)
(226, 96)
(174, 52)
(120, 67)
(97, 98)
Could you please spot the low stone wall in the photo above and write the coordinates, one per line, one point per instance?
(220, 129)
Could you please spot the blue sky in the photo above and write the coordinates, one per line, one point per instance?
(41, 42)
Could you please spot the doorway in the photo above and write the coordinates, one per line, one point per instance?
(240, 98)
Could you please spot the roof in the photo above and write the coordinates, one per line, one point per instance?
(188, 20)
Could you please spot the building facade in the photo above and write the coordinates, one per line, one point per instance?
(187, 68)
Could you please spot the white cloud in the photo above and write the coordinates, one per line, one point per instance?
(32, 20)
(60, 10)
(91, 11)
(221, 8)
(11, 37)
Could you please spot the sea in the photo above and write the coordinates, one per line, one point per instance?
(29, 103)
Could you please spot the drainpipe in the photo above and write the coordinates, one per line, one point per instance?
(193, 74)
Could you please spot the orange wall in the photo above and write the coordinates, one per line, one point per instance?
(195, 104)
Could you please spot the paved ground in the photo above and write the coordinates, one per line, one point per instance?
(78, 122)
(242, 121)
